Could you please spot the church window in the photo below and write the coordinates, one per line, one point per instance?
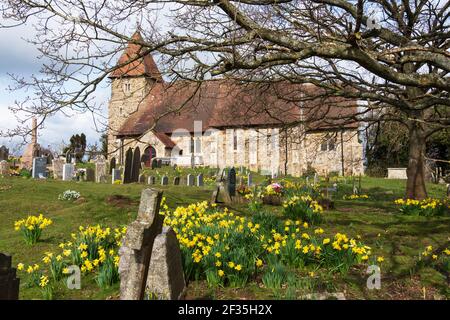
(329, 143)
(127, 87)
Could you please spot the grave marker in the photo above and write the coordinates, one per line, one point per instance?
(190, 180)
(151, 180)
(9, 283)
(176, 181)
(68, 170)
(90, 175)
(100, 169)
(39, 167)
(164, 180)
(200, 182)
(141, 178)
(57, 165)
(4, 168)
(116, 175)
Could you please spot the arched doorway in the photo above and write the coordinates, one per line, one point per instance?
(149, 154)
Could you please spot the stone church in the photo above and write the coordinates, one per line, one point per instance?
(272, 128)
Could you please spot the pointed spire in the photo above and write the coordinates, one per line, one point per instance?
(143, 66)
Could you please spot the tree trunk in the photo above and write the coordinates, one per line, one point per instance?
(415, 185)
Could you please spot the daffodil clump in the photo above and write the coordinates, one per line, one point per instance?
(31, 227)
(355, 197)
(229, 250)
(427, 207)
(94, 249)
(438, 259)
(303, 208)
(69, 195)
(274, 189)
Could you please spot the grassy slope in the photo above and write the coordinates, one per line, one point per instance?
(401, 238)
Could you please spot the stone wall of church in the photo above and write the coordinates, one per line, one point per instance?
(127, 96)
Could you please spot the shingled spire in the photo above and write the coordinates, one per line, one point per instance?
(143, 66)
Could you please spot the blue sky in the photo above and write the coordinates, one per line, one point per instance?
(20, 58)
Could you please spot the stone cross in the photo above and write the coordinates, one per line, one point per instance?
(200, 182)
(164, 180)
(9, 283)
(166, 276)
(136, 251)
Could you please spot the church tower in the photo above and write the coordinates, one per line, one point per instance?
(130, 86)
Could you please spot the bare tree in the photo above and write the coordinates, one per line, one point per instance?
(391, 53)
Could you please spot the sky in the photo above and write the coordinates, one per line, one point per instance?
(21, 58)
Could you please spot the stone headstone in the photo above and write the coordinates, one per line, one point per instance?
(190, 180)
(141, 178)
(112, 164)
(57, 166)
(136, 251)
(100, 169)
(250, 179)
(90, 175)
(397, 173)
(39, 167)
(200, 182)
(4, 153)
(154, 163)
(128, 166)
(68, 170)
(4, 168)
(176, 181)
(9, 283)
(136, 165)
(164, 180)
(159, 163)
(116, 175)
(165, 279)
(231, 182)
(316, 178)
(151, 180)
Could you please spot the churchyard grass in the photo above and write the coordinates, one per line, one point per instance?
(398, 238)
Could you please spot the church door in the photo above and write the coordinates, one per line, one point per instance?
(149, 154)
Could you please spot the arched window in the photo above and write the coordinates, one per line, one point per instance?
(329, 143)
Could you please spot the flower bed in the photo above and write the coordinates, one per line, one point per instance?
(427, 207)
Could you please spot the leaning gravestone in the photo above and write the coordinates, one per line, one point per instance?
(176, 181)
(39, 167)
(165, 279)
(4, 168)
(164, 180)
(136, 251)
(57, 165)
(116, 175)
(68, 170)
(9, 283)
(200, 182)
(190, 180)
(90, 175)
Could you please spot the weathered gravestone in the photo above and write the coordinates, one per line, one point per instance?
(9, 283)
(100, 169)
(116, 175)
(4, 153)
(4, 168)
(154, 163)
(68, 170)
(190, 180)
(141, 178)
(39, 167)
(112, 164)
(165, 279)
(200, 182)
(90, 175)
(176, 181)
(57, 167)
(231, 182)
(151, 180)
(222, 189)
(164, 180)
(136, 251)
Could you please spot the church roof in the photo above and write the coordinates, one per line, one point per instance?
(227, 104)
(137, 66)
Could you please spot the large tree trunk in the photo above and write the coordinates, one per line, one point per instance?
(415, 185)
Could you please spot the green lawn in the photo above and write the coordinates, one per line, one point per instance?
(398, 238)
